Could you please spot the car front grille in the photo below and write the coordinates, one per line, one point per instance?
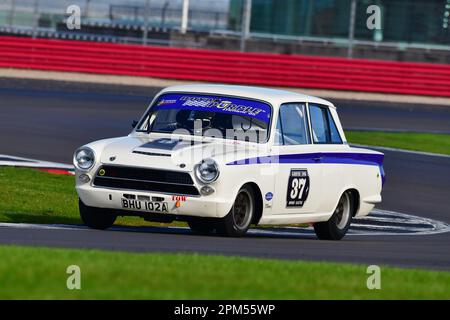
(142, 179)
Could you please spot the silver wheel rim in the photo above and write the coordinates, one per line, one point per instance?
(342, 211)
(242, 209)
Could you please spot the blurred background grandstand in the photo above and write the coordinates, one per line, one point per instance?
(412, 30)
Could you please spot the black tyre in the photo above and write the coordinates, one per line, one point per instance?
(201, 226)
(96, 218)
(238, 220)
(337, 226)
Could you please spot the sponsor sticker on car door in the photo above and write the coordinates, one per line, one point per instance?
(298, 188)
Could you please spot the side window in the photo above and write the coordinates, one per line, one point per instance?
(319, 125)
(292, 126)
(324, 130)
(335, 136)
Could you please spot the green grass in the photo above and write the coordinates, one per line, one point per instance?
(28, 195)
(31, 273)
(427, 142)
(32, 196)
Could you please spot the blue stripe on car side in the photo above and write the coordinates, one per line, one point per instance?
(325, 157)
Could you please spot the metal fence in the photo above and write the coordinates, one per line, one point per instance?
(203, 14)
(112, 20)
(405, 23)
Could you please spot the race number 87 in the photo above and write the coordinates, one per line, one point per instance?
(298, 188)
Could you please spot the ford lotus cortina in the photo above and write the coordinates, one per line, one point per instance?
(223, 158)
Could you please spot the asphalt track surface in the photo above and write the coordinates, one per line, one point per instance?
(48, 120)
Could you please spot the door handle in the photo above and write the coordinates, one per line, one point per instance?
(318, 159)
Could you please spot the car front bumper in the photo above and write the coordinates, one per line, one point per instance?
(210, 206)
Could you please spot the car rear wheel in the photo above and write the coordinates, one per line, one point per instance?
(238, 220)
(96, 218)
(337, 226)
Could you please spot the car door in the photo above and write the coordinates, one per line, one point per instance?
(328, 142)
(298, 180)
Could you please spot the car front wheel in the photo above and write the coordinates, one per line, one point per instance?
(238, 220)
(337, 226)
(96, 218)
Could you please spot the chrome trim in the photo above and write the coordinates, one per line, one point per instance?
(152, 154)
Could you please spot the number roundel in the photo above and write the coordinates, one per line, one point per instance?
(298, 188)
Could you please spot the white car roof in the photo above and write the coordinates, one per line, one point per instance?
(274, 96)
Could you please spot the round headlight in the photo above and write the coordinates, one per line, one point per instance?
(84, 158)
(207, 171)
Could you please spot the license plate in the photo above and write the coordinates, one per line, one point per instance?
(149, 206)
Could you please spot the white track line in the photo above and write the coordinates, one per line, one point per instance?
(14, 161)
(421, 153)
(36, 226)
(380, 227)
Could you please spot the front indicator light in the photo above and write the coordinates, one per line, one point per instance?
(84, 178)
(207, 190)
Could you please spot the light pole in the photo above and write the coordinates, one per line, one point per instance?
(88, 7)
(12, 13)
(146, 22)
(35, 17)
(351, 29)
(184, 16)
(245, 29)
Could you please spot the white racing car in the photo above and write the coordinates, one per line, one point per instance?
(223, 158)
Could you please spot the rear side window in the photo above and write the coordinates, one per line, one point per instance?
(324, 130)
(335, 136)
(320, 131)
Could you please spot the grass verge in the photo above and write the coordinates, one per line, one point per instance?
(32, 196)
(426, 142)
(40, 273)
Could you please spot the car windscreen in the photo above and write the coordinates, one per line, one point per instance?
(208, 115)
